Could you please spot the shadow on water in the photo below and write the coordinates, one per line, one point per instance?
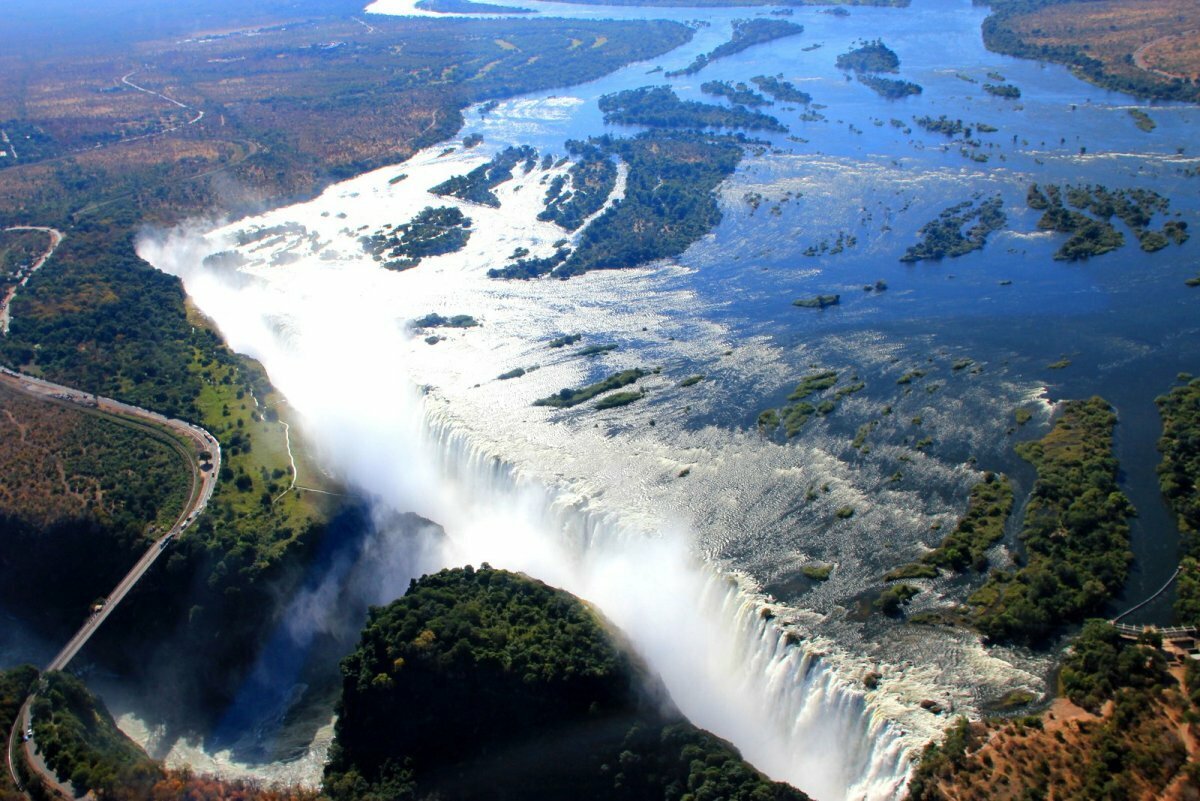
(288, 693)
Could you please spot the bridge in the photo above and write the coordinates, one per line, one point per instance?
(203, 455)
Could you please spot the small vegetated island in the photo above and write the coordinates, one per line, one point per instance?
(433, 232)
(746, 34)
(871, 58)
(944, 237)
(818, 301)
(669, 203)
(1075, 533)
(435, 320)
(739, 94)
(660, 107)
(566, 398)
(1096, 235)
(455, 685)
(1006, 90)
(800, 410)
(477, 185)
(781, 90)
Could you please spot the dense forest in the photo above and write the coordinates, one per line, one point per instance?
(660, 107)
(1075, 533)
(505, 688)
(81, 743)
(1179, 478)
(669, 200)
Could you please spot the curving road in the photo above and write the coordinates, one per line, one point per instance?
(56, 238)
(203, 453)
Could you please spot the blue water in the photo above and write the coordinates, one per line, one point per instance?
(1125, 320)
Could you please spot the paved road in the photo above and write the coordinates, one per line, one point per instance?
(203, 453)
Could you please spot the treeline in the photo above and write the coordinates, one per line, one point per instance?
(746, 34)
(489, 685)
(477, 185)
(1000, 36)
(660, 107)
(1075, 533)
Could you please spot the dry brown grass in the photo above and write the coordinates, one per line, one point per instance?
(1166, 32)
(35, 484)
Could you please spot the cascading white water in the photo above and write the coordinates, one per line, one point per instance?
(729, 667)
(782, 700)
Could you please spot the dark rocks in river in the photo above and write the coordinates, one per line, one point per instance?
(818, 301)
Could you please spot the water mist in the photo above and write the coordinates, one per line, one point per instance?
(729, 667)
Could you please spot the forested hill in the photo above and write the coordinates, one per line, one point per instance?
(485, 684)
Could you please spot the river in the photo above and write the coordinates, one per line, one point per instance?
(674, 515)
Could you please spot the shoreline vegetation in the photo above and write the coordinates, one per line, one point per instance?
(1179, 480)
(746, 34)
(1098, 45)
(965, 548)
(1075, 534)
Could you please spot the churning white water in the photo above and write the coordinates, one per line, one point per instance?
(636, 515)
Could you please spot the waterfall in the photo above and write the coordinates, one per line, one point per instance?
(791, 701)
(730, 663)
